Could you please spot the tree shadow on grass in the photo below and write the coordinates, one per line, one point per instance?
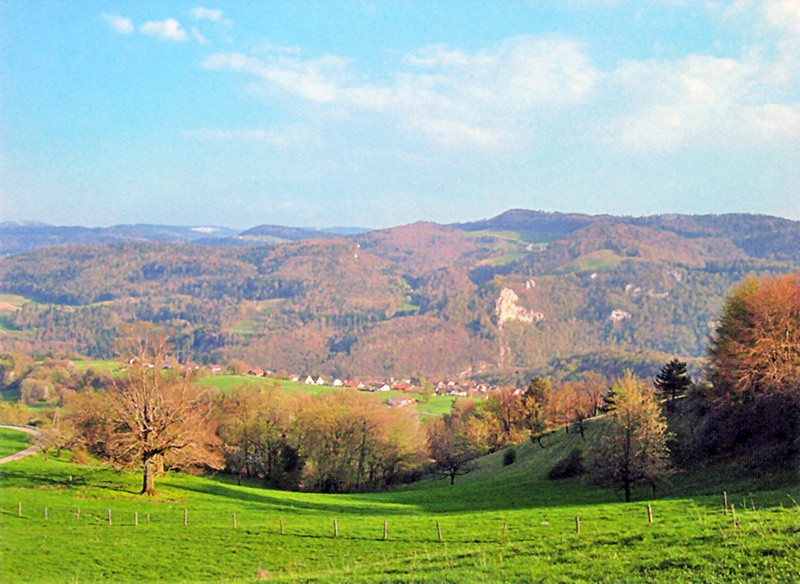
(285, 501)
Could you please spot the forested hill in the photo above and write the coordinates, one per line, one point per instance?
(522, 292)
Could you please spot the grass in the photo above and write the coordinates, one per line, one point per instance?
(690, 539)
(12, 441)
(437, 406)
(596, 261)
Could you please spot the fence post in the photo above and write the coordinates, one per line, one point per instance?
(109, 516)
(19, 509)
(505, 528)
(234, 520)
(78, 514)
(282, 531)
(148, 519)
(45, 513)
(725, 501)
(649, 513)
(439, 530)
(577, 525)
(335, 528)
(385, 529)
(136, 518)
(185, 516)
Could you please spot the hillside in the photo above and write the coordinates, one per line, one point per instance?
(498, 523)
(523, 292)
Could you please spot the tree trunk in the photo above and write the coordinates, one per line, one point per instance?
(627, 487)
(148, 477)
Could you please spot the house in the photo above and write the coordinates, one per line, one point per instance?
(384, 387)
(320, 380)
(337, 382)
(403, 386)
(309, 380)
(257, 371)
(400, 401)
(215, 368)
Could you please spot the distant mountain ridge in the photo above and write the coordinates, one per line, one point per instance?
(19, 237)
(522, 292)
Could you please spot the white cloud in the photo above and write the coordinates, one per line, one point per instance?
(697, 100)
(168, 30)
(198, 36)
(784, 14)
(119, 24)
(452, 97)
(213, 15)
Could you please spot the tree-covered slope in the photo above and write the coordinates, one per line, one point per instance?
(525, 291)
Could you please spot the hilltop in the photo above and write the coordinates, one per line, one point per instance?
(522, 292)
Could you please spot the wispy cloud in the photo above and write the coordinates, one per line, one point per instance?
(167, 30)
(119, 24)
(211, 14)
(455, 98)
(508, 95)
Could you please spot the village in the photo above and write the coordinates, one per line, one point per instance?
(408, 386)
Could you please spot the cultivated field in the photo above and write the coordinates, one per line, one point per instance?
(498, 523)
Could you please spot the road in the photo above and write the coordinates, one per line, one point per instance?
(28, 451)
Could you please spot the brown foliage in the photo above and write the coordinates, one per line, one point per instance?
(151, 413)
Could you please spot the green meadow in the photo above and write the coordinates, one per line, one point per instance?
(498, 524)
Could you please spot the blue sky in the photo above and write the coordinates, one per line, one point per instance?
(384, 113)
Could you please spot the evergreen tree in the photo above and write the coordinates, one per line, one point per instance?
(673, 380)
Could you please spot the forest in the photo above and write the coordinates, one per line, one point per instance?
(419, 300)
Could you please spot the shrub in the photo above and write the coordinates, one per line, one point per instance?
(80, 457)
(509, 456)
(569, 467)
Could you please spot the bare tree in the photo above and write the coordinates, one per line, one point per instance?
(152, 412)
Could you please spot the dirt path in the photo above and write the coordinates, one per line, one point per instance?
(28, 451)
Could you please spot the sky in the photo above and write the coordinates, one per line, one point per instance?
(382, 113)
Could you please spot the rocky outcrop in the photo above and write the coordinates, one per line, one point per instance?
(507, 308)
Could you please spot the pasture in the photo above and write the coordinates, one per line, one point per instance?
(498, 523)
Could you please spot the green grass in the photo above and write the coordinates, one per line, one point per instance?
(596, 261)
(13, 441)
(14, 300)
(690, 539)
(100, 365)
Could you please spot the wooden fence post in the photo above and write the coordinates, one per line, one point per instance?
(335, 528)
(385, 529)
(148, 519)
(439, 530)
(577, 525)
(282, 530)
(45, 513)
(725, 501)
(19, 509)
(185, 516)
(136, 518)
(109, 516)
(78, 514)
(234, 520)
(505, 528)
(733, 512)
(649, 513)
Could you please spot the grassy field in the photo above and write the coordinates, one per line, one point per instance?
(12, 441)
(438, 405)
(690, 538)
